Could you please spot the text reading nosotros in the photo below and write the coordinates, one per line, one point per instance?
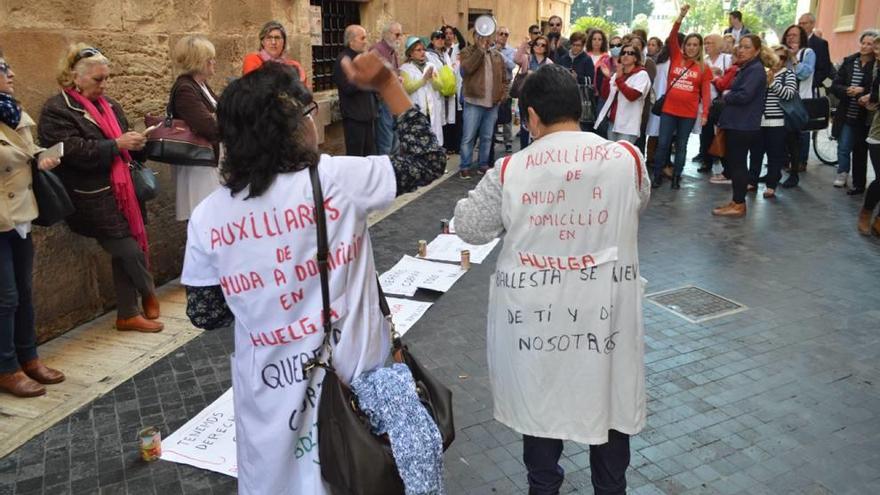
(568, 342)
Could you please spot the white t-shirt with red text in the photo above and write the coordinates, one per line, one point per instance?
(262, 252)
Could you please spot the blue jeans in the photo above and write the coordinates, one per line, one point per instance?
(852, 149)
(672, 127)
(18, 338)
(608, 464)
(386, 138)
(478, 121)
(804, 144)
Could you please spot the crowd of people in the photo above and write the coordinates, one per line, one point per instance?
(407, 103)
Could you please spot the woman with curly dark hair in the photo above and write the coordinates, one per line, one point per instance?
(250, 259)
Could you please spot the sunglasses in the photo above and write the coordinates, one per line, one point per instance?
(616, 45)
(4, 68)
(628, 52)
(535, 33)
(310, 108)
(85, 53)
(503, 34)
(540, 45)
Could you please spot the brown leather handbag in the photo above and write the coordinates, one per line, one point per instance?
(719, 144)
(354, 461)
(174, 142)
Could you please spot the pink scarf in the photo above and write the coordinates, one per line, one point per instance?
(120, 176)
(265, 57)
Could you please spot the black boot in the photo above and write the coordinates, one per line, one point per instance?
(658, 179)
(762, 179)
(791, 181)
(676, 182)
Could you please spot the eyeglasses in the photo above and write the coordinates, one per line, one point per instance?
(540, 45)
(5, 68)
(503, 34)
(628, 52)
(554, 24)
(274, 38)
(310, 108)
(85, 53)
(534, 33)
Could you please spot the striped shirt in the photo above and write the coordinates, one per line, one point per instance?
(852, 111)
(785, 87)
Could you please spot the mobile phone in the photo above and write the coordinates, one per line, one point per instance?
(56, 151)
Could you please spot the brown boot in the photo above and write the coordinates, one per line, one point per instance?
(139, 324)
(151, 307)
(730, 210)
(42, 373)
(20, 385)
(864, 222)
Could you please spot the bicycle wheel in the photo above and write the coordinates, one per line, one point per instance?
(825, 146)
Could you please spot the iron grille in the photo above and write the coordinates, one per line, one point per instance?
(335, 16)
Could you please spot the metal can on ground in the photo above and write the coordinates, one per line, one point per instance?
(423, 248)
(444, 226)
(465, 259)
(150, 441)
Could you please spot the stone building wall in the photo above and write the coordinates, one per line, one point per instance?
(72, 276)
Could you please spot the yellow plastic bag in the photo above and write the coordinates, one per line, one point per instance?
(447, 81)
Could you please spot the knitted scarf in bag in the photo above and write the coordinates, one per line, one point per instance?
(120, 176)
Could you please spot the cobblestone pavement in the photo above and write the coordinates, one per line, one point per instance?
(779, 398)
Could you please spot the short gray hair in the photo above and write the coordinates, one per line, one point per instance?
(386, 27)
(810, 15)
(349, 33)
(868, 32)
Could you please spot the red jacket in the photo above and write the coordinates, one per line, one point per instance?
(722, 83)
(683, 98)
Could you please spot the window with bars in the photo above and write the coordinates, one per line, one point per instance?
(335, 16)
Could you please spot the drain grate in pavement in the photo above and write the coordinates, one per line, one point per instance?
(695, 304)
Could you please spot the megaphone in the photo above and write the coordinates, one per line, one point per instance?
(485, 25)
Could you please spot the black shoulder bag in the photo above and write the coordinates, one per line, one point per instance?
(354, 461)
(657, 107)
(53, 202)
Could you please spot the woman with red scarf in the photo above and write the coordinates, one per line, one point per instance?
(688, 86)
(273, 44)
(95, 171)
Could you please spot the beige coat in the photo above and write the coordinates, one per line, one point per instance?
(17, 147)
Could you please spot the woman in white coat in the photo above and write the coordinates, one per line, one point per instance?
(421, 81)
(626, 99)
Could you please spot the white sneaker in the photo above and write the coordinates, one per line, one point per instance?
(719, 179)
(840, 181)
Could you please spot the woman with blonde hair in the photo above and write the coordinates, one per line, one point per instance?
(774, 139)
(98, 147)
(193, 101)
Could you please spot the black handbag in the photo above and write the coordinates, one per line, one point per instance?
(818, 112)
(796, 116)
(53, 202)
(716, 108)
(146, 186)
(657, 107)
(518, 81)
(353, 460)
(588, 106)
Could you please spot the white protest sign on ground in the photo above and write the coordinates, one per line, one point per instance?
(410, 274)
(406, 312)
(448, 247)
(208, 440)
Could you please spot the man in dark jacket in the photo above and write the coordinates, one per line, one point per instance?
(736, 27)
(852, 82)
(358, 106)
(824, 68)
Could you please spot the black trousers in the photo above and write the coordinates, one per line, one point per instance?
(18, 338)
(859, 160)
(872, 194)
(608, 464)
(738, 145)
(775, 142)
(360, 137)
(452, 133)
(130, 274)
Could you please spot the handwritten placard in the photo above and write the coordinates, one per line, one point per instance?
(406, 312)
(207, 441)
(448, 247)
(411, 274)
